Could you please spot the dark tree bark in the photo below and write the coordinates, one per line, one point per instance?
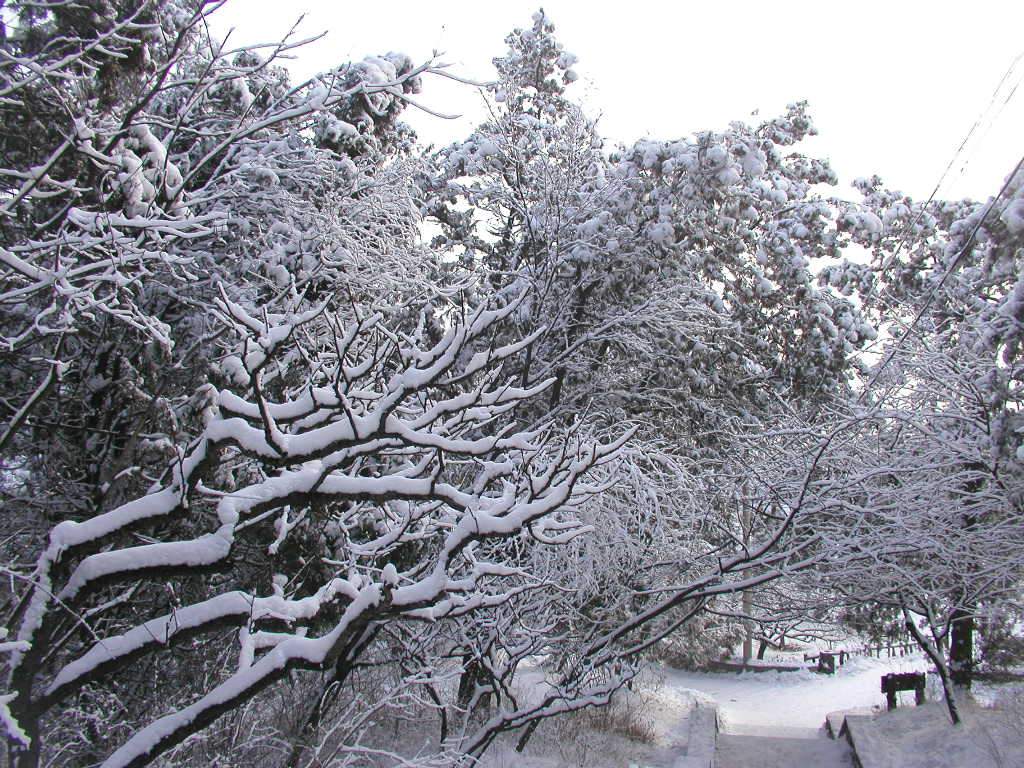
(961, 648)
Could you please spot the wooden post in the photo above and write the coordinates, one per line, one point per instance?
(889, 688)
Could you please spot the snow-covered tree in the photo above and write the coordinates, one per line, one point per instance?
(944, 279)
(181, 221)
(143, 163)
(383, 450)
(243, 396)
(672, 284)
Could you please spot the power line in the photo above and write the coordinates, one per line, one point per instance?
(970, 239)
(959, 150)
(999, 112)
(935, 289)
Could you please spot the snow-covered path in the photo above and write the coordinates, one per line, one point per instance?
(792, 704)
(769, 720)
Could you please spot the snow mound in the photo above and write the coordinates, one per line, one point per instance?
(923, 737)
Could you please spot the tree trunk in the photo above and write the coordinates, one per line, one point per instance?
(948, 690)
(527, 733)
(935, 653)
(329, 692)
(26, 758)
(556, 389)
(961, 648)
(748, 598)
(474, 677)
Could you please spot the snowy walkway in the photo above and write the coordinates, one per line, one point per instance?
(792, 704)
(775, 719)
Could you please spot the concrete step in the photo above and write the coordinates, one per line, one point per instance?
(740, 751)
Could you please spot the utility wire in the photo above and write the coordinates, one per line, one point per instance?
(953, 265)
(959, 150)
(974, 231)
(999, 112)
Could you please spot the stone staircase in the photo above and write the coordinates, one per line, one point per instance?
(753, 751)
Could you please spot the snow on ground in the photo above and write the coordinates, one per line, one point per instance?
(922, 737)
(793, 703)
(775, 718)
(647, 726)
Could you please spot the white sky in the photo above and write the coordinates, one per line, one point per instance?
(894, 86)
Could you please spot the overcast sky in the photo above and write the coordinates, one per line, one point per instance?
(894, 86)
